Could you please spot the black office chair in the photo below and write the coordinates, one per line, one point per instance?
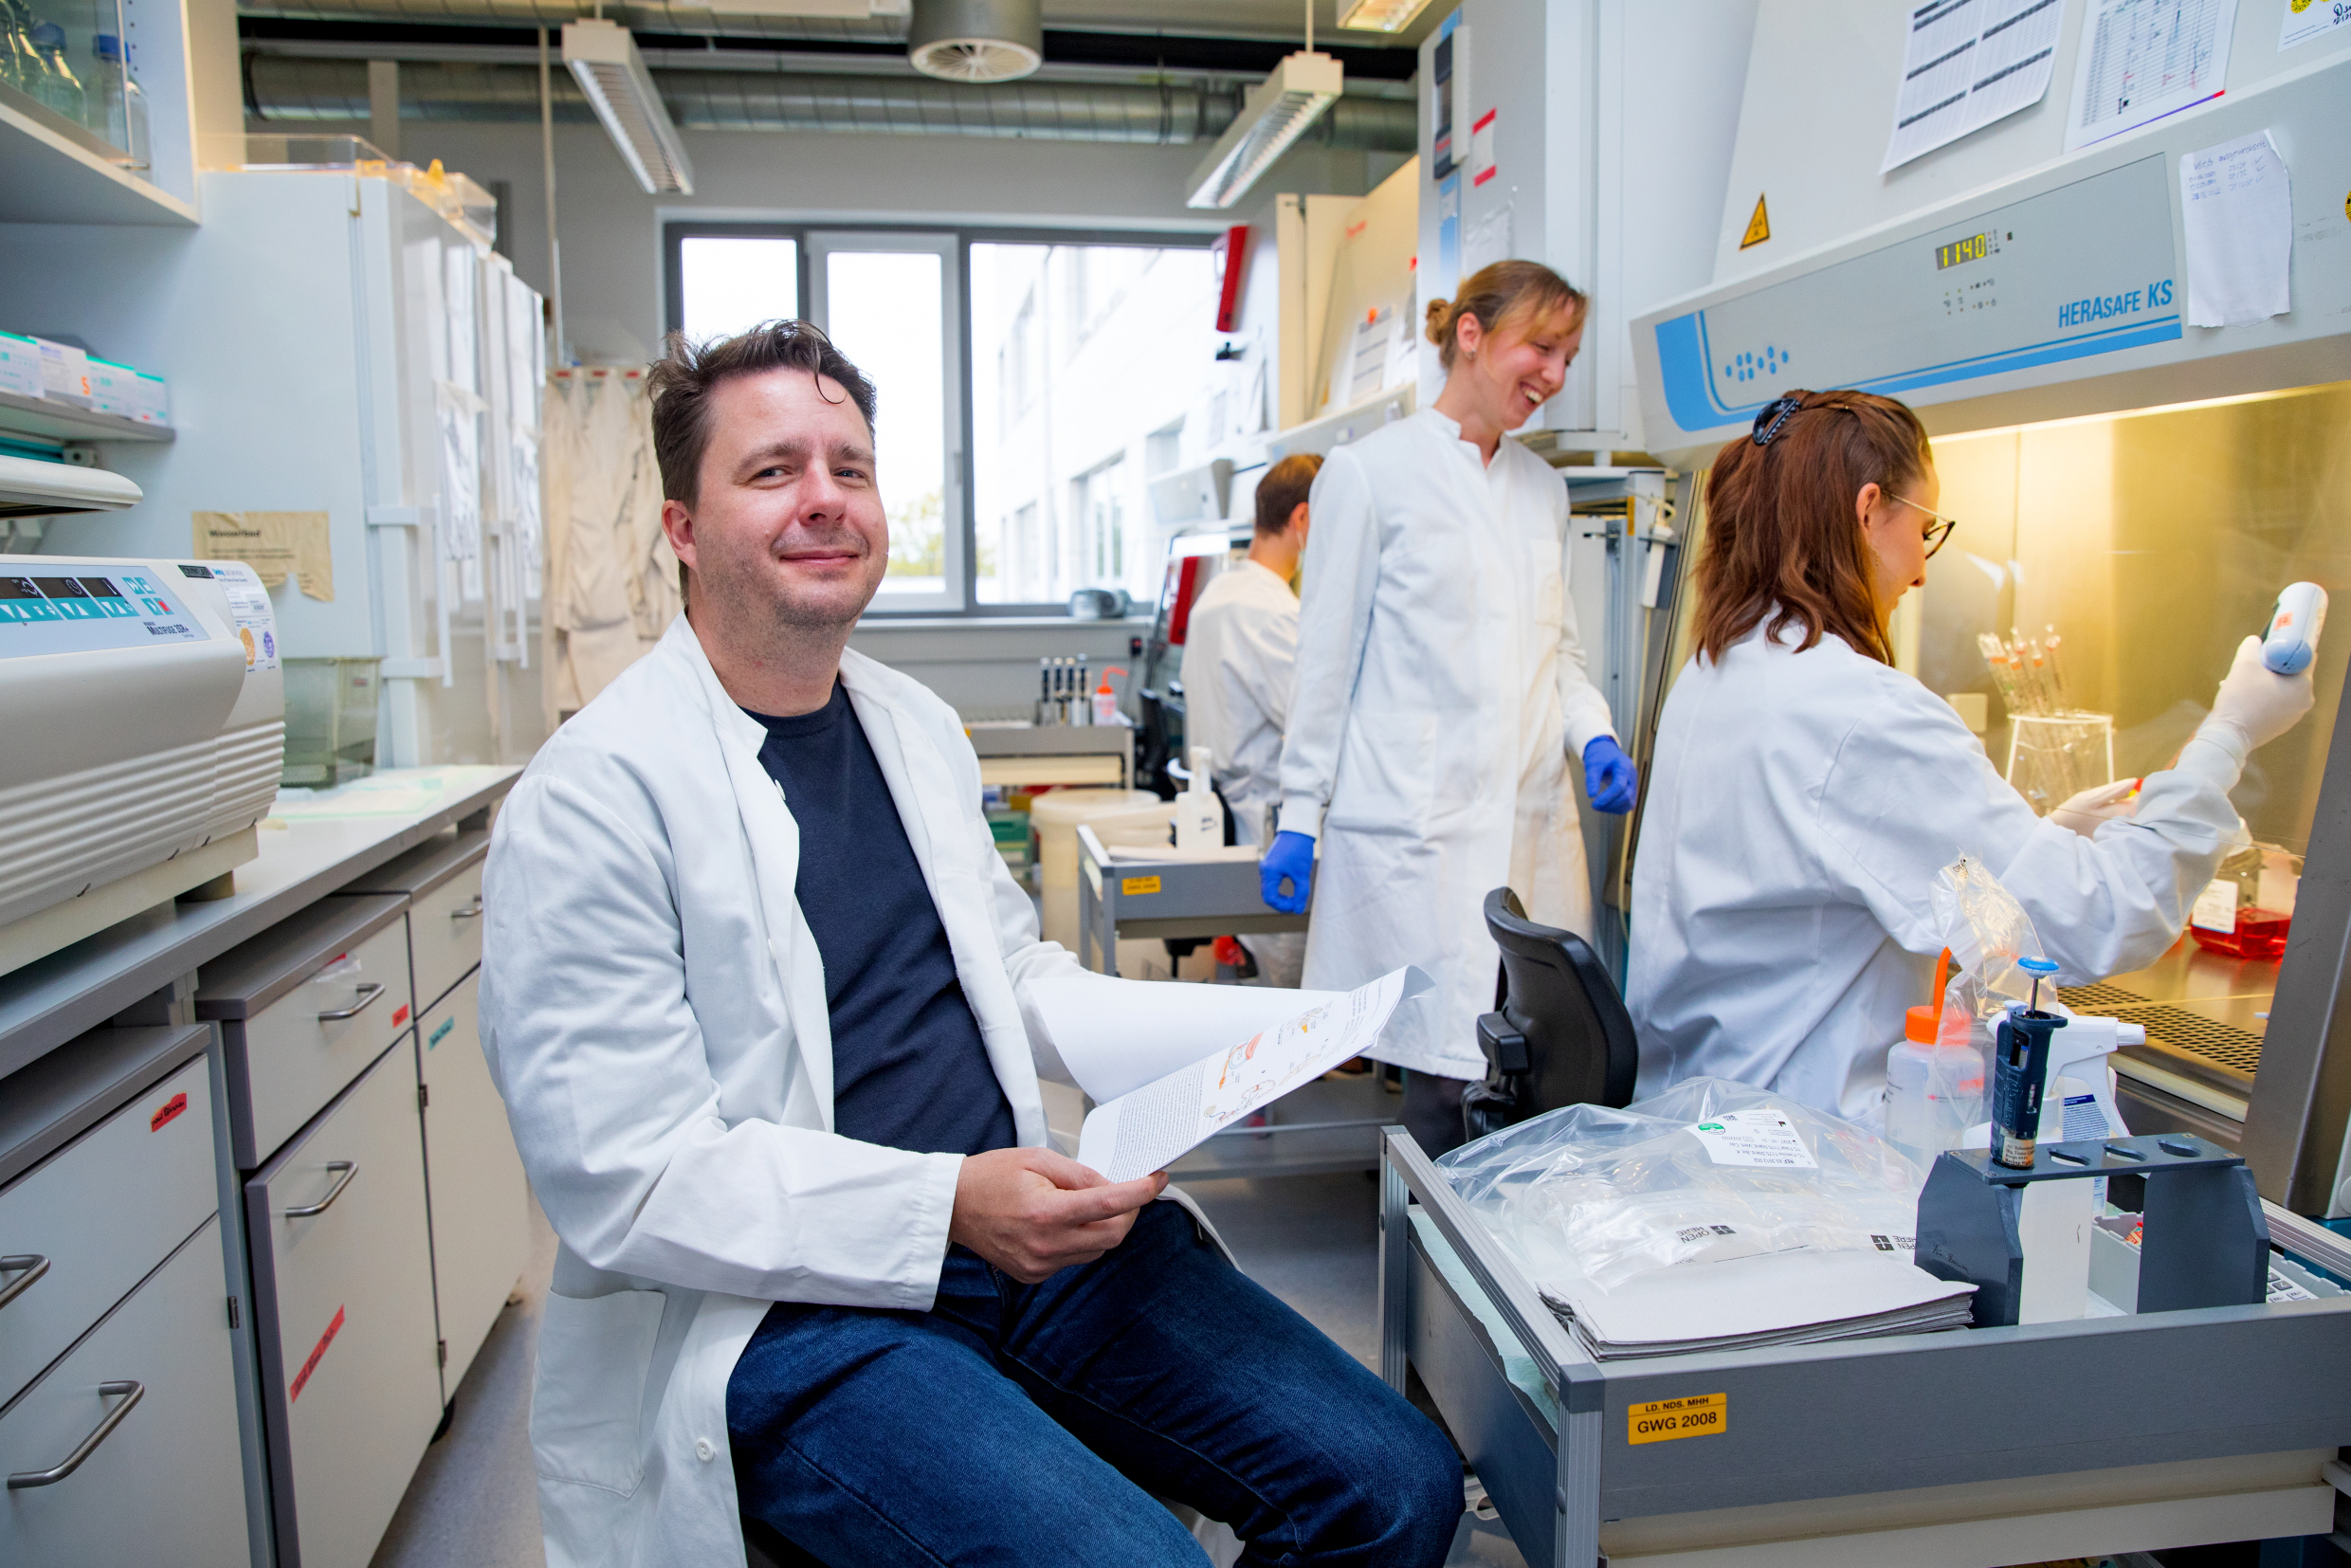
(1559, 1034)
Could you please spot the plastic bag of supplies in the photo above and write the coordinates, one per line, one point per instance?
(1709, 1170)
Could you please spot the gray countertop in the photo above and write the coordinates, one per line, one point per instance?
(307, 852)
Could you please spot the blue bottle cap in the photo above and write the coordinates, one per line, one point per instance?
(106, 47)
(2037, 966)
(48, 35)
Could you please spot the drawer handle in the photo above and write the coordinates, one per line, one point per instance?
(130, 1394)
(349, 1168)
(27, 1267)
(369, 991)
(471, 911)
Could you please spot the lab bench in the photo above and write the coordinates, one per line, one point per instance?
(1939, 1451)
(258, 1208)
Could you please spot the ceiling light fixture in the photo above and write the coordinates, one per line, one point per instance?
(1278, 111)
(621, 90)
(1381, 15)
(976, 40)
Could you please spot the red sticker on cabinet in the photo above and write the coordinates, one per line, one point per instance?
(170, 1109)
(399, 1016)
(311, 1365)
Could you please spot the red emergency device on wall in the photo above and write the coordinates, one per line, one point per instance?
(1232, 251)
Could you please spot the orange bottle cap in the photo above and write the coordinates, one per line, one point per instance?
(1919, 1025)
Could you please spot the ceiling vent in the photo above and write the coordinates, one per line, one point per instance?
(976, 40)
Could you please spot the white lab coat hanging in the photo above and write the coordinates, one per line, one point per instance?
(1440, 694)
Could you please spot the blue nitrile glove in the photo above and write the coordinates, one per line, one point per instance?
(1291, 860)
(1608, 776)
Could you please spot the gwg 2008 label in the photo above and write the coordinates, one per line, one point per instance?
(1663, 1420)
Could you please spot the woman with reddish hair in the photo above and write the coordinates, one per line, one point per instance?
(1805, 792)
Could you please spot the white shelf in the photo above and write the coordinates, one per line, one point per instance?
(50, 176)
(44, 420)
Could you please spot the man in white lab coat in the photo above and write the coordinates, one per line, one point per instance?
(755, 990)
(1239, 657)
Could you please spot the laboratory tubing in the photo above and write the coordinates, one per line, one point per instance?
(2020, 1071)
(2292, 641)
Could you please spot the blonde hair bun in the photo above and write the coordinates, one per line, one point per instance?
(1438, 321)
(1501, 295)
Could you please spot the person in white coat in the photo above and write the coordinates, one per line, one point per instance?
(1240, 656)
(1441, 691)
(1805, 792)
(756, 994)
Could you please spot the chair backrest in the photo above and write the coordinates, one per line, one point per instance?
(1559, 1034)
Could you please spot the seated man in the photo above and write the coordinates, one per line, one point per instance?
(1239, 656)
(756, 994)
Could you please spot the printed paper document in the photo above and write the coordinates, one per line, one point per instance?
(2238, 202)
(1966, 64)
(1140, 1132)
(2140, 59)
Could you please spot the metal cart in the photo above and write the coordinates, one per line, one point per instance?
(1331, 1124)
(1934, 1450)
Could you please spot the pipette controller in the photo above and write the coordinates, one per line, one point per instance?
(2020, 1071)
(2293, 640)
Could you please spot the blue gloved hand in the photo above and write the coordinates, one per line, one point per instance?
(1610, 777)
(1291, 860)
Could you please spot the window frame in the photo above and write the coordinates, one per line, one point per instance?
(961, 599)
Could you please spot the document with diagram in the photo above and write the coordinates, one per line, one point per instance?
(1143, 1131)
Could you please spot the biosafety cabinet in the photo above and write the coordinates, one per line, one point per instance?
(356, 391)
(2133, 488)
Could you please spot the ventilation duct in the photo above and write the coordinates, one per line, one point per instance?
(308, 90)
(976, 40)
(604, 61)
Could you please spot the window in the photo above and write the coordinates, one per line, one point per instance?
(731, 284)
(1085, 370)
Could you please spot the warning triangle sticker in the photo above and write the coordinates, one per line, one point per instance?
(1758, 227)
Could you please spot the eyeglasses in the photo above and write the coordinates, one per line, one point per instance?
(1936, 535)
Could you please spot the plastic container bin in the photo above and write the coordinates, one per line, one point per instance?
(330, 721)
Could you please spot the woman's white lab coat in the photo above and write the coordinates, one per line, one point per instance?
(1799, 806)
(1440, 695)
(653, 1008)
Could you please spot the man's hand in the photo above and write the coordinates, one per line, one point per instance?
(1609, 778)
(1034, 1213)
(1290, 859)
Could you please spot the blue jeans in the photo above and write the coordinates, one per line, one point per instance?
(1027, 1424)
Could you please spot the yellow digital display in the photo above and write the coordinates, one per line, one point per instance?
(1973, 248)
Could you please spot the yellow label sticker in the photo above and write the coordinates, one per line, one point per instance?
(1663, 1420)
(1758, 227)
(1132, 886)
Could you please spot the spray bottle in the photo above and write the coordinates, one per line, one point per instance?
(1199, 815)
(1105, 699)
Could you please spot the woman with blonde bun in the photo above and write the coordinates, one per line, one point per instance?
(1441, 690)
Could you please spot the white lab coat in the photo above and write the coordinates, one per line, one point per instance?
(1439, 699)
(1240, 655)
(1799, 806)
(653, 1010)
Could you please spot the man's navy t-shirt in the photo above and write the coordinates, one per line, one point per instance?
(909, 1069)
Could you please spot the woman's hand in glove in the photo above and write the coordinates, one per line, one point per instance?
(2256, 705)
(1610, 777)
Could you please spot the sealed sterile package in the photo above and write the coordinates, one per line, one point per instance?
(1987, 931)
(1709, 1170)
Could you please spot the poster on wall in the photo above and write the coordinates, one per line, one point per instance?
(2142, 59)
(2309, 19)
(1966, 64)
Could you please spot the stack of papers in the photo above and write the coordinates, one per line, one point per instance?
(1778, 1298)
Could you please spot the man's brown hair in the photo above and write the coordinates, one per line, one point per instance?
(687, 374)
(1285, 486)
(1781, 538)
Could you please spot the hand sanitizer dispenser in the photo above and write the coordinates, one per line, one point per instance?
(1199, 815)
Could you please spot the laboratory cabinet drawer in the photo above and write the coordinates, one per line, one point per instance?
(294, 1029)
(342, 1302)
(442, 879)
(84, 1226)
(154, 1384)
(473, 1179)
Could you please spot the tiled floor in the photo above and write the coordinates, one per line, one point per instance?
(1311, 1240)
